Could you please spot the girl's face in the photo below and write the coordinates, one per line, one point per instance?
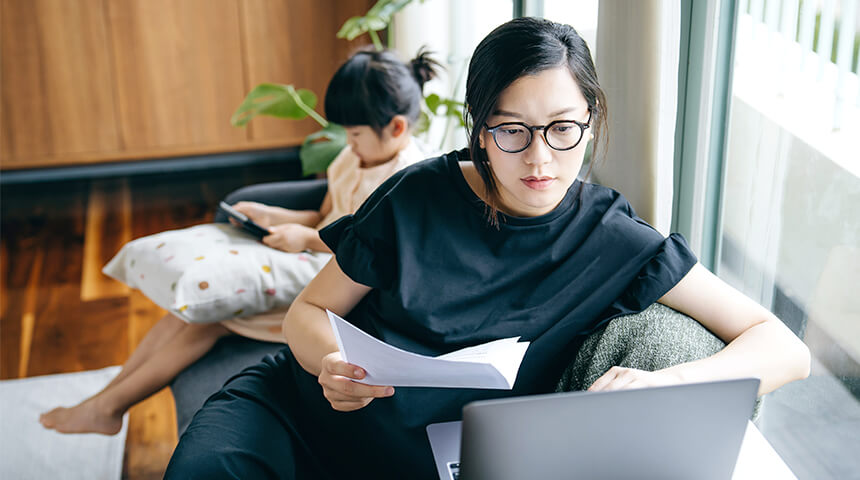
(375, 149)
(534, 181)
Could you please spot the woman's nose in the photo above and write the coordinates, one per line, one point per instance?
(538, 153)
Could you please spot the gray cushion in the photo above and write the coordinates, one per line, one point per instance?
(658, 337)
(198, 382)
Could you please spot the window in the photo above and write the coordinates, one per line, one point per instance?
(790, 234)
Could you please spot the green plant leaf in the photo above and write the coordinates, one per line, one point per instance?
(320, 148)
(375, 23)
(377, 18)
(423, 123)
(349, 26)
(274, 100)
(453, 108)
(433, 101)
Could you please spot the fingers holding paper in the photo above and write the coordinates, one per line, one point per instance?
(341, 391)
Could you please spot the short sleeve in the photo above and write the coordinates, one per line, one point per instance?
(364, 243)
(668, 265)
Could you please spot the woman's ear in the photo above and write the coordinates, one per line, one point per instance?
(481, 139)
(399, 126)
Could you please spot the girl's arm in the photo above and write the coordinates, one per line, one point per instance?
(290, 236)
(759, 344)
(307, 331)
(269, 215)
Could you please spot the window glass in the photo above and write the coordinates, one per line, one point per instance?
(790, 235)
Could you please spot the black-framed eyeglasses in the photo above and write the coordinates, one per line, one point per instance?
(514, 137)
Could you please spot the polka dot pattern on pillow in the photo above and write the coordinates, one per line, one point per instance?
(212, 272)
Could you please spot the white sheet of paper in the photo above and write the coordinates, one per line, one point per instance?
(490, 365)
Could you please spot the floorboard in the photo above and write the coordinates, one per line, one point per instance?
(108, 228)
(60, 314)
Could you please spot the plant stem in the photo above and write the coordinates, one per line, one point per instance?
(310, 111)
(376, 42)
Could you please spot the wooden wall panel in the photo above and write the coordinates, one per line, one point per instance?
(179, 71)
(293, 42)
(55, 80)
(89, 81)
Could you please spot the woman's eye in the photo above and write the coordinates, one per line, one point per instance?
(562, 128)
(512, 131)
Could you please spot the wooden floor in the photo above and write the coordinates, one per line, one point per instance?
(61, 314)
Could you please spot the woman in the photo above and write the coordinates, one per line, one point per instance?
(449, 253)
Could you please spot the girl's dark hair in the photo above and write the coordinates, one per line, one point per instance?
(526, 46)
(374, 86)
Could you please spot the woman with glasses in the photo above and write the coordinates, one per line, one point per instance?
(498, 240)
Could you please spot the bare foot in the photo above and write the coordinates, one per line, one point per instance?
(85, 417)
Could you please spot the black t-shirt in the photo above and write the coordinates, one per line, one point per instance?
(443, 278)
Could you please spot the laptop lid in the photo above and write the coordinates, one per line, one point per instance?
(683, 431)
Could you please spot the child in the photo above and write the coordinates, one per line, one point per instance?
(377, 98)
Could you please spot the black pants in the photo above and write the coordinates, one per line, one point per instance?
(240, 433)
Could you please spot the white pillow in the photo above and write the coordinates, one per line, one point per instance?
(212, 272)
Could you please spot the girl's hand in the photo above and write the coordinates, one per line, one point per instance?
(621, 378)
(339, 389)
(259, 213)
(290, 237)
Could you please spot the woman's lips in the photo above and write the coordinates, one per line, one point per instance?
(538, 183)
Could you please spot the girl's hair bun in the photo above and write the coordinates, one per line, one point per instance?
(424, 67)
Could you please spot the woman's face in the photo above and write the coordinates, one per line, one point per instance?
(534, 181)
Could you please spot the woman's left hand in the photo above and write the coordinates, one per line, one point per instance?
(622, 378)
(289, 237)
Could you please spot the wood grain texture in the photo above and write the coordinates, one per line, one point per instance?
(293, 42)
(152, 423)
(55, 80)
(179, 71)
(108, 219)
(93, 81)
(28, 314)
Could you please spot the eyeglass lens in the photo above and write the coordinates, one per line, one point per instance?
(559, 135)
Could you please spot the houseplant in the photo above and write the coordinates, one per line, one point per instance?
(320, 148)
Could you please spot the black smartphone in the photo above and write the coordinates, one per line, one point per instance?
(246, 223)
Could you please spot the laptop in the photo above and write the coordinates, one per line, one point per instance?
(691, 431)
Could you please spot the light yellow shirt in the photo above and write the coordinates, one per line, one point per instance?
(350, 184)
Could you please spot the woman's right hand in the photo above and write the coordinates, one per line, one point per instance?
(259, 213)
(341, 391)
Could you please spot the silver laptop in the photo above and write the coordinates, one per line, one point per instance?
(685, 432)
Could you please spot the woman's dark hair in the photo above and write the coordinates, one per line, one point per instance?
(374, 86)
(526, 46)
